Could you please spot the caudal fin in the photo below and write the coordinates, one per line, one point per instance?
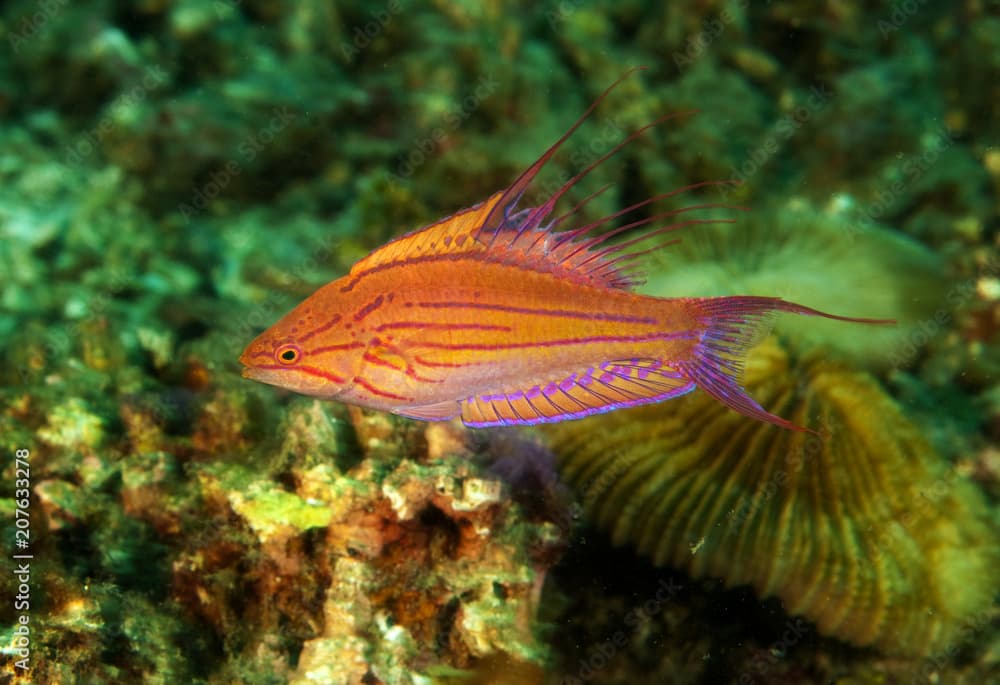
(731, 327)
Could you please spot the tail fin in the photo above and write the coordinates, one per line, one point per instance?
(731, 327)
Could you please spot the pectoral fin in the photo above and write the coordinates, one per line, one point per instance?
(441, 411)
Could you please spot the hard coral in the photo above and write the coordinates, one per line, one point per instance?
(371, 570)
(864, 530)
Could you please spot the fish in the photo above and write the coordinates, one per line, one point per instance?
(500, 316)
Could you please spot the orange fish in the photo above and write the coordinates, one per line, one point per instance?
(494, 316)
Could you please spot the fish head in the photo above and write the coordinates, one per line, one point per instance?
(303, 354)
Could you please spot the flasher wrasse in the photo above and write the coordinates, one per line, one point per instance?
(495, 316)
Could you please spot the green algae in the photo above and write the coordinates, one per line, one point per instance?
(72, 425)
(266, 508)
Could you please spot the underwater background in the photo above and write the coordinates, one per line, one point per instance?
(177, 174)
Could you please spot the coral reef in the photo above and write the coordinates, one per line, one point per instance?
(176, 174)
(862, 528)
(407, 559)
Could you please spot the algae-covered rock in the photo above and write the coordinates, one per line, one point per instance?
(270, 511)
(72, 425)
(369, 566)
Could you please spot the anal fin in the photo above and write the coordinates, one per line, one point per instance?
(593, 390)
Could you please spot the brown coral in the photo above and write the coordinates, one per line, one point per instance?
(865, 531)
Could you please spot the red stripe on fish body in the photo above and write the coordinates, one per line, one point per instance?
(504, 328)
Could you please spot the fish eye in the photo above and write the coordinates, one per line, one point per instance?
(288, 354)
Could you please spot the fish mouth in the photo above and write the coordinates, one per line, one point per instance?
(252, 372)
(249, 370)
(266, 376)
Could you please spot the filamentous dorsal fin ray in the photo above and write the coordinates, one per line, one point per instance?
(499, 230)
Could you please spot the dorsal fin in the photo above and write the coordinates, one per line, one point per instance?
(500, 214)
(497, 230)
(452, 234)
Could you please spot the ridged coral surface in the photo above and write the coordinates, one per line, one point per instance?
(864, 529)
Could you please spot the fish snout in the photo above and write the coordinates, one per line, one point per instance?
(247, 370)
(250, 359)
